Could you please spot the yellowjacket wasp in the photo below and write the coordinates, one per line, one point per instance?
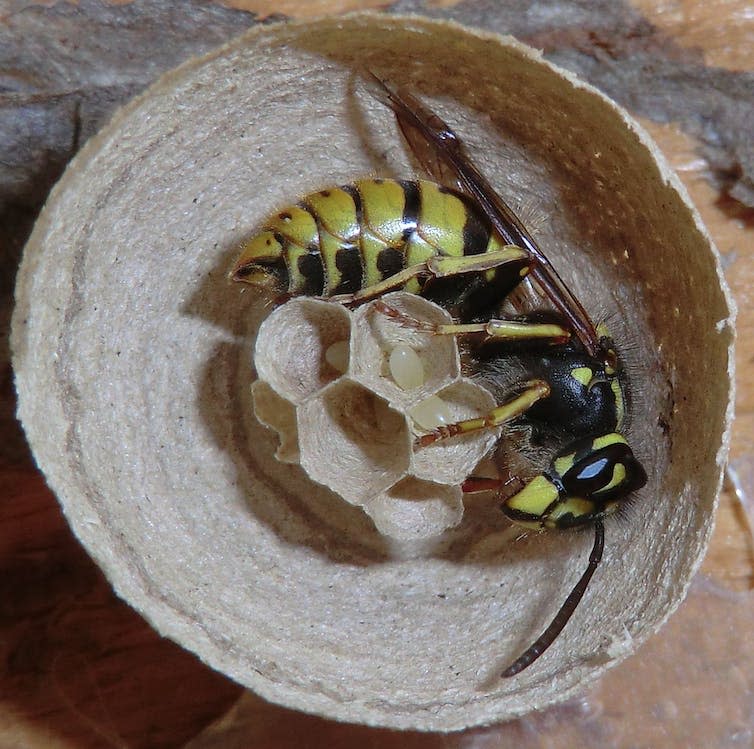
(456, 241)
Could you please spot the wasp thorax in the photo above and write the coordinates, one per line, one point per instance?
(348, 392)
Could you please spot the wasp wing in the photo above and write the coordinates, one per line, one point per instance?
(422, 130)
(440, 152)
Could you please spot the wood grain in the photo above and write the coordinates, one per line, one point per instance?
(83, 670)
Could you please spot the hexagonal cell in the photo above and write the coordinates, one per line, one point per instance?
(377, 334)
(354, 432)
(293, 344)
(451, 460)
(414, 509)
(277, 413)
(352, 441)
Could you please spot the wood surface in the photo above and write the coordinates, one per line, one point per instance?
(81, 669)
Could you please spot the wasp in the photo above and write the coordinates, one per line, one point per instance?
(453, 239)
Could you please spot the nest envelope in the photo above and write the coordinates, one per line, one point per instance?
(133, 363)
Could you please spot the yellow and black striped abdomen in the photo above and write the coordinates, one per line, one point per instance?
(342, 239)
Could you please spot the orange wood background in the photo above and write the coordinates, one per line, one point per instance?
(81, 669)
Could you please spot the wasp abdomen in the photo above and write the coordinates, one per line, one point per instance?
(342, 239)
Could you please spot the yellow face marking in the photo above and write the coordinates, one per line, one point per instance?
(336, 212)
(564, 464)
(608, 439)
(578, 507)
(584, 375)
(442, 217)
(535, 497)
(618, 477)
(382, 205)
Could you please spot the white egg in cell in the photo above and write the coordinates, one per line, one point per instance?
(431, 413)
(337, 355)
(406, 368)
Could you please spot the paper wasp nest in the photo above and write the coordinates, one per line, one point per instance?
(131, 357)
(328, 384)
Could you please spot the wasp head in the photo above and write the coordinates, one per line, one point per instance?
(585, 481)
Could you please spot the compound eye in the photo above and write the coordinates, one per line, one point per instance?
(596, 472)
(603, 468)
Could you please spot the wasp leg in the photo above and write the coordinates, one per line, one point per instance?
(478, 484)
(438, 267)
(500, 330)
(442, 266)
(535, 391)
(396, 281)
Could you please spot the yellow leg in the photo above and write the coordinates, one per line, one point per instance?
(396, 281)
(439, 267)
(535, 391)
(501, 330)
(477, 484)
